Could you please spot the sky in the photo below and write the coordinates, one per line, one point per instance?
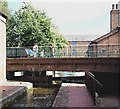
(74, 17)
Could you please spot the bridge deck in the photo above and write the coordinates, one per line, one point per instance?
(73, 95)
(63, 64)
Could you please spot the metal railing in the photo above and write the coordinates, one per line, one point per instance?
(69, 51)
(93, 85)
(104, 50)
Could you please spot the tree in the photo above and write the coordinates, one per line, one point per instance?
(28, 26)
(4, 7)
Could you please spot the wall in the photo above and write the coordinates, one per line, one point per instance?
(119, 12)
(114, 19)
(113, 39)
(107, 45)
(2, 48)
(76, 49)
(110, 82)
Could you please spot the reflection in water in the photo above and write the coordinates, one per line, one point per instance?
(36, 97)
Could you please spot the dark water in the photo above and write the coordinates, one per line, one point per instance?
(36, 97)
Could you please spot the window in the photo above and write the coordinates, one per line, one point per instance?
(73, 42)
(74, 52)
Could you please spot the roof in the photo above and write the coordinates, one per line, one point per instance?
(80, 37)
(114, 31)
(3, 15)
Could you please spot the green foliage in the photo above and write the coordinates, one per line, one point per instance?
(4, 7)
(28, 26)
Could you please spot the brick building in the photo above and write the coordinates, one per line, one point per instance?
(108, 44)
(77, 45)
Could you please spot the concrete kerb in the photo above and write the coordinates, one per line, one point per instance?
(18, 89)
(11, 95)
(28, 85)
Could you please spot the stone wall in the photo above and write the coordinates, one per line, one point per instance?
(2, 48)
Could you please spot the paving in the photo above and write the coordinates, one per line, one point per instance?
(109, 101)
(8, 93)
(73, 95)
(11, 90)
(77, 95)
(69, 95)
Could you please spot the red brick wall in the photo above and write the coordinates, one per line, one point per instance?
(107, 45)
(114, 21)
(112, 39)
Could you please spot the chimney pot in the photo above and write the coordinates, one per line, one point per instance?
(116, 6)
(112, 6)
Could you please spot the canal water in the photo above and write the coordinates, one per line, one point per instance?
(36, 97)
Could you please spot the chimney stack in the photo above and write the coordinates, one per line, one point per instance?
(119, 13)
(114, 17)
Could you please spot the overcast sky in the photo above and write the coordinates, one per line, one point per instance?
(74, 16)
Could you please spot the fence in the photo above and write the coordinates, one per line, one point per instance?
(103, 50)
(68, 51)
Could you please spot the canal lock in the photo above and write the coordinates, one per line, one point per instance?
(41, 95)
(44, 91)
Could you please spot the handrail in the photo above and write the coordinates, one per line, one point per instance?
(99, 50)
(92, 84)
(93, 76)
